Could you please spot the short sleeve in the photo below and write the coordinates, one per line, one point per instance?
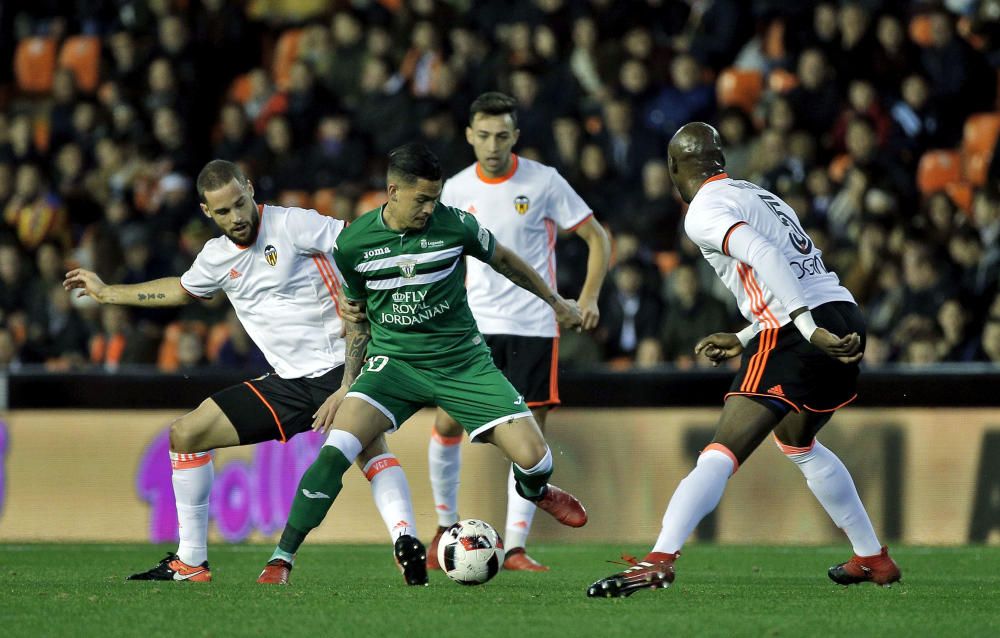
(353, 282)
(477, 240)
(199, 280)
(449, 193)
(710, 226)
(311, 232)
(565, 207)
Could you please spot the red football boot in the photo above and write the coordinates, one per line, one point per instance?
(878, 569)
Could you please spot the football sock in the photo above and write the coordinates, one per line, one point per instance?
(318, 488)
(193, 475)
(391, 493)
(531, 482)
(834, 488)
(697, 494)
(520, 513)
(444, 456)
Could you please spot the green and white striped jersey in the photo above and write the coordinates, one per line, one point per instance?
(414, 284)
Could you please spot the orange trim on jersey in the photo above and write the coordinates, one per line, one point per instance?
(718, 447)
(725, 240)
(446, 440)
(715, 178)
(498, 180)
(329, 278)
(758, 394)
(191, 294)
(379, 465)
(553, 380)
(791, 449)
(277, 421)
(574, 227)
(189, 461)
(333, 277)
(260, 225)
(832, 409)
(758, 306)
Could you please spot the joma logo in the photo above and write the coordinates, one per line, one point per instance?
(375, 252)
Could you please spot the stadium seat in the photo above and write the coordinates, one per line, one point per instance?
(300, 199)
(837, 170)
(35, 64)
(773, 40)
(739, 87)
(41, 133)
(920, 30)
(82, 55)
(323, 201)
(167, 359)
(285, 55)
(960, 194)
(370, 200)
(217, 337)
(937, 169)
(781, 81)
(979, 139)
(667, 260)
(239, 90)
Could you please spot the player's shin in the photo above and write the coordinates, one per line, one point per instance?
(192, 477)
(531, 481)
(834, 488)
(697, 494)
(444, 457)
(317, 490)
(520, 513)
(391, 493)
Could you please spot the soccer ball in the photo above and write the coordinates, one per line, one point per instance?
(470, 552)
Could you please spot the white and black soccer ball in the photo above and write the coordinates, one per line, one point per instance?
(471, 552)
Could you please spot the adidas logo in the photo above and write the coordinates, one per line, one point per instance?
(776, 390)
(234, 274)
(472, 209)
(521, 524)
(400, 524)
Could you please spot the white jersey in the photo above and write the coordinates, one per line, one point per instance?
(723, 205)
(523, 210)
(283, 288)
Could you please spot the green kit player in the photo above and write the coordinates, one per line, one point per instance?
(406, 263)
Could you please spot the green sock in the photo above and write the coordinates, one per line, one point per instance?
(317, 490)
(531, 486)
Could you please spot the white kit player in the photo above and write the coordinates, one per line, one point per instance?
(274, 265)
(795, 373)
(524, 203)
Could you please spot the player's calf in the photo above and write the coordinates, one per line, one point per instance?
(879, 569)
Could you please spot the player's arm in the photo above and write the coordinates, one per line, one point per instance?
(750, 247)
(518, 271)
(159, 292)
(598, 255)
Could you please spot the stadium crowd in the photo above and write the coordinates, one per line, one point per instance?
(875, 120)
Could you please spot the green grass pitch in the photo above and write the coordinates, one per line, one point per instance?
(355, 590)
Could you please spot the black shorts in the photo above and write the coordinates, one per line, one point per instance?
(270, 407)
(530, 364)
(783, 371)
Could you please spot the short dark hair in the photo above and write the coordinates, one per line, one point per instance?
(217, 174)
(413, 161)
(494, 103)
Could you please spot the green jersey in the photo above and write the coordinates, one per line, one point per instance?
(414, 284)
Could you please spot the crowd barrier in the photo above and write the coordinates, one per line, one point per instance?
(84, 458)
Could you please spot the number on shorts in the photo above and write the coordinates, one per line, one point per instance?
(376, 363)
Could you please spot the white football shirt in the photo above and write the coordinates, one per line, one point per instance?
(523, 210)
(283, 288)
(721, 206)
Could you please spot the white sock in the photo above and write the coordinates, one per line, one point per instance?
(520, 513)
(697, 494)
(444, 456)
(834, 488)
(391, 492)
(193, 475)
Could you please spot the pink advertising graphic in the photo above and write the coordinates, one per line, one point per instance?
(245, 497)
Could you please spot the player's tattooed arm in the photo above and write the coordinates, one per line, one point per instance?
(518, 271)
(357, 338)
(159, 292)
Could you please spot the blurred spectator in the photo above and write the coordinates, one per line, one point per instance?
(962, 81)
(306, 102)
(239, 351)
(955, 343)
(117, 342)
(990, 341)
(630, 313)
(815, 100)
(383, 110)
(35, 212)
(916, 125)
(338, 154)
(736, 131)
(277, 167)
(9, 357)
(691, 315)
(236, 140)
(627, 148)
(342, 74)
(656, 214)
(978, 270)
(57, 335)
(688, 98)
(567, 138)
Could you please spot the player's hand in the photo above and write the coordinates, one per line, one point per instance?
(844, 349)
(323, 418)
(568, 314)
(590, 313)
(350, 310)
(87, 282)
(719, 346)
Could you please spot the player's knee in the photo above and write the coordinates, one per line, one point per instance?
(532, 453)
(447, 426)
(186, 435)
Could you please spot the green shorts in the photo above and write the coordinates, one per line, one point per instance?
(474, 392)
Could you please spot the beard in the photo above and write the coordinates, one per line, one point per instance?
(250, 237)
